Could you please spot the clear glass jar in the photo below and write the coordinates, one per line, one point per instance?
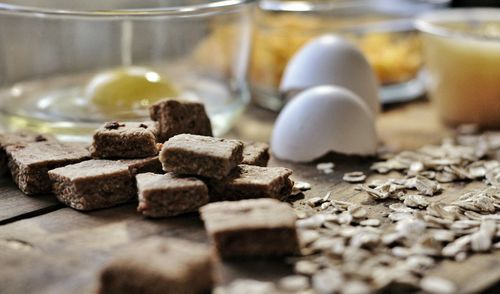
(68, 66)
(382, 29)
(462, 60)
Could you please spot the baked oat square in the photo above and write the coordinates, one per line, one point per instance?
(125, 140)
(255, 227)
(29, 163)
(180, 117)
(168, 195)
(201, 155)
(159, 266)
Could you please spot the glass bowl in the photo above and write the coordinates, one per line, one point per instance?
(462, 59)
(68, 66)
(382, 29)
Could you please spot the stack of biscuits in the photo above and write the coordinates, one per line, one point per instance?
(172, 165)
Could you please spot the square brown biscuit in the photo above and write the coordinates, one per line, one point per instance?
(249, 181)
(200, 155)
(255, 227)
(255, 153)
(159, 266)
(95, 184)
(125, 140)
(9, 139)
(169, 195)
(29, 163)
(180, 117)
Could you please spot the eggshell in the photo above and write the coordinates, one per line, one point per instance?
(331, 60)
(323, 119)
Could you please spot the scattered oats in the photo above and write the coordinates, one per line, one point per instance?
(354, 177)
(364, 239)
(338, 247)
(459, 245)
(326, 167)
(377, 194)
(397, 216)
(445, 177)
(328, 281)
(416, 167)
(301, 214)
(344, 218)
(323, 244)
(300, 186)
(437, 285)
(325, 205)
(410, 227)
(443, 235)
(306, 237)
(416, 201)
(306, 267)
(391, 238)
(357, 211)
(314, 201)
(464, 224)
(311, 222)
(482, 240)
(327, 197)
(344, 250)
(473, 215)
(426, 186)
(399, 251)
(294, 283)
(400, 207)
(372, 222)
(419, 263)
(245, 286)
(342, 204)
(356, 287)
(461, 256)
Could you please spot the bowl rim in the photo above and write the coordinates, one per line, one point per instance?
(178, 10)
(429, 22)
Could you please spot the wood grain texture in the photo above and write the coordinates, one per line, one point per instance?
(14, 205)
(62, 251)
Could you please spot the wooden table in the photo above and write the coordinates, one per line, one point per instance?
(46, 247)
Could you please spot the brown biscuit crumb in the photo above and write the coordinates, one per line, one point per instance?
(255, 227)
(159, 265)
(200, 155)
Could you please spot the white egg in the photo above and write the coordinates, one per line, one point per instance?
(323, 119)
(331, 60)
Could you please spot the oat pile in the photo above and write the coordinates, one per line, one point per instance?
(344, 251)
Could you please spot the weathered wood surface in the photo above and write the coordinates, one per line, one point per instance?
(15, 206)
(61, 251)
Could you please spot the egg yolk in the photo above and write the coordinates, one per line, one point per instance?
(128, 89)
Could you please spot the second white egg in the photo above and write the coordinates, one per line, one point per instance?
(331, 60)
(323, 119)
